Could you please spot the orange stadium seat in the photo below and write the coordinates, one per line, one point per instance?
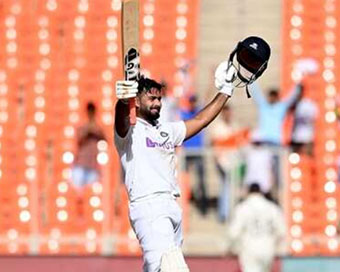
(80, 231)
(321, 188)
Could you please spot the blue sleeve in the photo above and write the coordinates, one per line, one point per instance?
(257, 94)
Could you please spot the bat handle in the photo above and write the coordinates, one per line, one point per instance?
(132, 107)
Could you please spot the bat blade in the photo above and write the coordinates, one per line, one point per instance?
(130, 37)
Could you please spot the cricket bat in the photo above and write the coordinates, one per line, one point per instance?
(130, 37)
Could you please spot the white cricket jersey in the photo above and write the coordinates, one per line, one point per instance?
(259, 167)
(147, 154)
(257, 226)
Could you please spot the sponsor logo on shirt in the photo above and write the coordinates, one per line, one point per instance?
(166, 145)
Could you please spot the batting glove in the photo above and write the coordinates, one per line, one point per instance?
(225, 74)
(126, 89)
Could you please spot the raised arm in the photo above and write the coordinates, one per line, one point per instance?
(206, 115)
(257, 94)
(293, 96)
(124, 91)
(223, 77)
(122, 118)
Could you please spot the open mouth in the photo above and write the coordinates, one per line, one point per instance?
(155, 110)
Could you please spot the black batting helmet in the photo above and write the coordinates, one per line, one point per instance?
(252, 54)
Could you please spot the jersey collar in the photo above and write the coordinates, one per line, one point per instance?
(144, 122)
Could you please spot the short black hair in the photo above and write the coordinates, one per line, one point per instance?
(254, 188)
(146, 84)
(91, 107)
(274, 92)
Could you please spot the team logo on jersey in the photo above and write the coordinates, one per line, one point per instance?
(152, 144)
(164, 134)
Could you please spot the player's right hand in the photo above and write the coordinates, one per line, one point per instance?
(126, 89)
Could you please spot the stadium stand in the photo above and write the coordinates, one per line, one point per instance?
(55, 57)
(312, 190)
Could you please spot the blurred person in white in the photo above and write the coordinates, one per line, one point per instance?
(305, 114)
(86, 169)
(305, 111)
(259, 164)
(225, 145)
(257, 231)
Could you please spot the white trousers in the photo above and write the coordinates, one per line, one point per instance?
(157, 223)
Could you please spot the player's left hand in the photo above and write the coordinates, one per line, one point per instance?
(225, 74)
(126, 89)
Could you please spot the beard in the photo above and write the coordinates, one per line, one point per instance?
(151, 114)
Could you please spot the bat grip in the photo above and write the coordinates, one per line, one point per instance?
(132, 108)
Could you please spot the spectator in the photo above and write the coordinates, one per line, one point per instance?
(305, 114)
(257, 229)
(259, 165)
(85, 170)
(194, 156)
(272, 112)
(225, 136)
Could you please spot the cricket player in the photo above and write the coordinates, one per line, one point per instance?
(256, 230)
(147, 153)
